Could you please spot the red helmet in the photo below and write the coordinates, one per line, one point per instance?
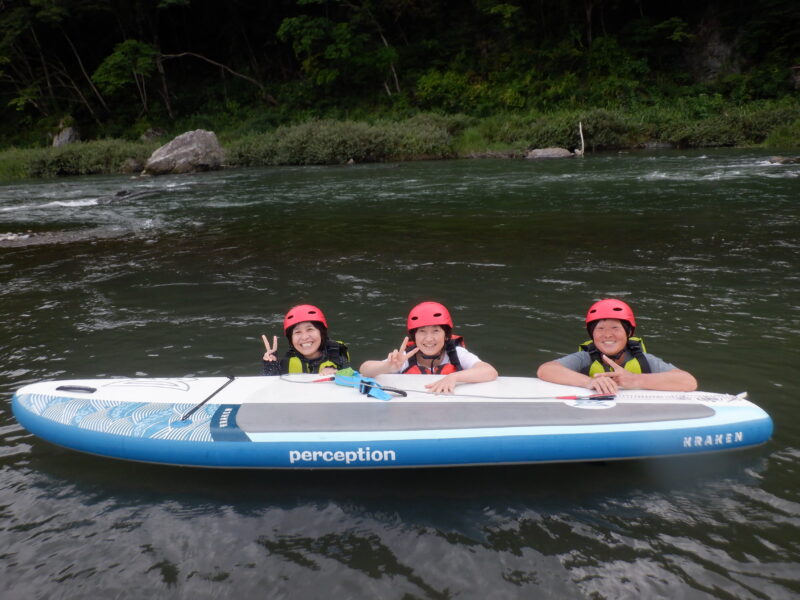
(611, 308)
(428, 313)
(303, 312)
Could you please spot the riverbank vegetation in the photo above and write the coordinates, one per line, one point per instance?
(326, 81)
(435, 136)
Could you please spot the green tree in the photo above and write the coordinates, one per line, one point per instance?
(346, 48)
(131, 63)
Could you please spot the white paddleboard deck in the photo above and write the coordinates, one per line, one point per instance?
(298, 422)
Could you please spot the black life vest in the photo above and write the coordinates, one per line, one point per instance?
(451, 367)
(637, 364)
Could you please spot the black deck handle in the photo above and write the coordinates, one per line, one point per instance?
(84, 389)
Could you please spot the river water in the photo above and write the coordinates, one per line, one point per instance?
(179, 276)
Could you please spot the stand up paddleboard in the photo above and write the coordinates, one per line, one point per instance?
(299, 422)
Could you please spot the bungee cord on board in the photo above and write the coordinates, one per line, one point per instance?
(369, 384)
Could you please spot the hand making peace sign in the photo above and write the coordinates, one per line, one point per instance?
(397, 358)
(269, 355)
(609, 382)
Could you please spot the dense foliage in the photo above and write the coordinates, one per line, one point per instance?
(119, 67)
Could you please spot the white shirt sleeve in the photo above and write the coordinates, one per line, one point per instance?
(466, 358)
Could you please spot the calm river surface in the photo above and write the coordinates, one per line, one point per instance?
(179, 276)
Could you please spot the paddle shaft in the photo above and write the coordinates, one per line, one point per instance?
(196, 408)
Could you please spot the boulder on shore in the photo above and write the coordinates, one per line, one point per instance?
(152, 133)
(785, 160)
(190, 152)
(132, 165)
(67, 135)
(657, 145)
(549, 153)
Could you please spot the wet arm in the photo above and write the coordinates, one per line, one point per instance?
(477, 373)
(373, 368)
(481, 371)
(554, 372)
(393, 364)
(674, 380)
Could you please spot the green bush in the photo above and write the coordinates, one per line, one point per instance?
(450, 90)
(14, 163)
(510, 129)
(453, 124)
(711, 132)
(420, 137)
(326, 141)
(251, 151)
(560, 130)
(80, 158)
(784, 136)
(757, 125)
(605, 129)
(733, 126)
(329, 142)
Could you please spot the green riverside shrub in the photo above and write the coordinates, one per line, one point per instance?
(253, 150)
(80, 158)
(706, 121)
(321, 142)
(784, 136)
(605, 130)
(14, 163)
(329, 142)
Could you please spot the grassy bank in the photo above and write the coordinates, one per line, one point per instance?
(427, 136)
(82, 158)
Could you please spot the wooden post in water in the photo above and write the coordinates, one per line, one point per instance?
(580, 130)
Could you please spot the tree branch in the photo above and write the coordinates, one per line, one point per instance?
(83, 70)
(213, 62)
(224, 68)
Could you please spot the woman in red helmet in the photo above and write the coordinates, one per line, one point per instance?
(613, 358)
(434, 350)
(311, 351)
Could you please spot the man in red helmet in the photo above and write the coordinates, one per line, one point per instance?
(433, 351)
(311, 351)
(613, 358)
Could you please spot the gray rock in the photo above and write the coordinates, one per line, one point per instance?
(785, 160)
(190, 152)
(153, 133)
(549, 153)
(68, 135)
(132, 165)
(495, 154)
(657, 145)
(21, 240)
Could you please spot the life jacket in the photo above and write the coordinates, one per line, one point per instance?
(637, 364)
(451, 367)
(334, 354)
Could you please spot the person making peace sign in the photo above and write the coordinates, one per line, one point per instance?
(434, 350)
(311, 350)
(613, 358)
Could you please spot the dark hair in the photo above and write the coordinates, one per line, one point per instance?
(447, 332)
(317, 324)
(625, 324)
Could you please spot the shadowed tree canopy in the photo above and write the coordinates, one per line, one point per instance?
(112, 63)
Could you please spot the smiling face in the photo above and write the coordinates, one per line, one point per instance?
(307, 339)
(610, 336)
(430, 339)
